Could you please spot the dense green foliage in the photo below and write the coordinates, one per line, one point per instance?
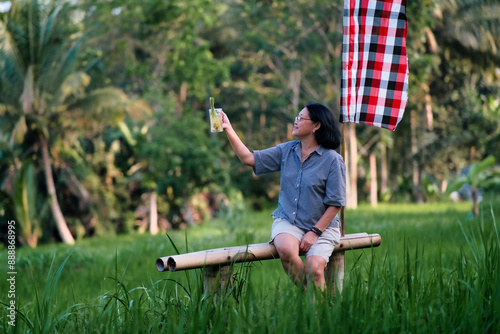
(437, 270)
(107, 102)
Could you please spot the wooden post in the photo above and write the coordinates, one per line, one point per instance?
(334, 271)
(218, 279)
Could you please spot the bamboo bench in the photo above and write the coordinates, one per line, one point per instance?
(218, 262)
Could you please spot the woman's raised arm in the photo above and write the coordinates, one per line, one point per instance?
(246, 156)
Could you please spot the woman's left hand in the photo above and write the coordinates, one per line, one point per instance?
(307, 241)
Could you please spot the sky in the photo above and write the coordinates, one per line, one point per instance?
(4, 6)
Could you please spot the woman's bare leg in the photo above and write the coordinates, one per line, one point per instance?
(288, 249)
(315, 267)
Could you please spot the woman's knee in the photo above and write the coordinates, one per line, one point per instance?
(315, 266)
(287, 253)
(287, 246)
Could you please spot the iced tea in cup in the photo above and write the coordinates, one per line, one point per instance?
(215, 120)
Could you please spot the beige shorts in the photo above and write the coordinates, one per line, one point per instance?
(322, 247)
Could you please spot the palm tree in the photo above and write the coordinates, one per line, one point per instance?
(467, 34)
(478, 175)
(473, 25)
(42, 89)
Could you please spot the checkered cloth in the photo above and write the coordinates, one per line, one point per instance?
(374, 63)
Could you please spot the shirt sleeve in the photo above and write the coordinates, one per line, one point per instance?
(267, 160)
(336, 184)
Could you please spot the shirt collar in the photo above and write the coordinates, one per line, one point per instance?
(320, 149)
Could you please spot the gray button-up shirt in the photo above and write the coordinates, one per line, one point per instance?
(306, 189)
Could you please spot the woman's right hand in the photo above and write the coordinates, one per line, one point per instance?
(226, 124)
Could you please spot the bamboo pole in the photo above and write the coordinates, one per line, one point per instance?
(249, 253)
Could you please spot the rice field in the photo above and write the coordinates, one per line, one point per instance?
(437, 270)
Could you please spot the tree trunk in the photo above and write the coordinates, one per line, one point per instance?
(77, 189)
(352, 195)
(429, 119)
(153, 214)
(475, 208)
(373, 180)
(416, 179)
(182, 98)
(294, 82)
(383, 168)
(62, 227)
(295, 79)
(444, 185)
(249, 127)
(32, 239)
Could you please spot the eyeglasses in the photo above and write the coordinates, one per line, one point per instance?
(299, 118)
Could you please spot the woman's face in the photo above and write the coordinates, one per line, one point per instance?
(303, 126)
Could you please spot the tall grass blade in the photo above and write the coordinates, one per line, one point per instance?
(494, 224)
(45, 322)
(173, 244)
(472, 246)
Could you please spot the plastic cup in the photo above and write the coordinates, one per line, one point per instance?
(215, 121)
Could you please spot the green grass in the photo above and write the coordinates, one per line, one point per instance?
(437, 270)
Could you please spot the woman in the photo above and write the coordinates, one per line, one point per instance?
(312, 191)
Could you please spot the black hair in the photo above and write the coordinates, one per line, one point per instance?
(328, 135)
